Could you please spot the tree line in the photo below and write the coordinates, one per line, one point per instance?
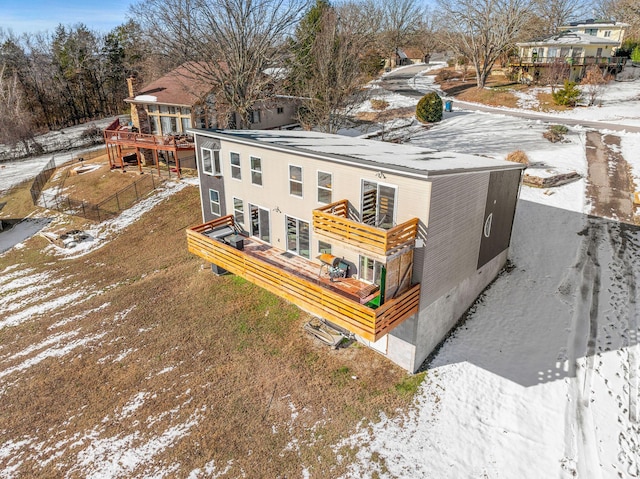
(319, 51)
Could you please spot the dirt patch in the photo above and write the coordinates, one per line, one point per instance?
(387, 115)
(610, 185)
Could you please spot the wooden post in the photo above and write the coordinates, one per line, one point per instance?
(177, 164)
(155, 157)
(138, 158)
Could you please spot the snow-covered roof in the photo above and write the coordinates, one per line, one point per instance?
(572, 38)
(399, 158)
(593, 23)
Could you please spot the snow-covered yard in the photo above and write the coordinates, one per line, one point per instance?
(542, 380)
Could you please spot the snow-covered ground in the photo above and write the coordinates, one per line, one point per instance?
(543, 378)
(541, 381)
(14, 172)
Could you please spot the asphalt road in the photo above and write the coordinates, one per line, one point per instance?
(399, 82)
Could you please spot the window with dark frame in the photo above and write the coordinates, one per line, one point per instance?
(238, 211)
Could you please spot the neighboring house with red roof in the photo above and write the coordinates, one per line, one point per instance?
(181, 100)
(163, 111)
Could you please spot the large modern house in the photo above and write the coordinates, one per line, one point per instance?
(392, 243)
(571, 52)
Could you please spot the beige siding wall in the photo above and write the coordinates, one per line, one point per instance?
(412, 194)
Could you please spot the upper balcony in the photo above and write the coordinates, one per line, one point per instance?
(345, 302)
(331, 221)
(118, 134)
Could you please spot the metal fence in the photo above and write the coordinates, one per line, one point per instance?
(106, 209)
(41, 180)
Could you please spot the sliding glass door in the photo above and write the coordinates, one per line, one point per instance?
(378, 202)
(260, 226)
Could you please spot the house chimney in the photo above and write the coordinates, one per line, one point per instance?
(131, 85)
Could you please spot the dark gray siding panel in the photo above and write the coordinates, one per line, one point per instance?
(498, 214)
(453, 233)
(208, 182)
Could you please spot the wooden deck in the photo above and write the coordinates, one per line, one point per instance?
(117, 134)
(118, 137)
(299, 281)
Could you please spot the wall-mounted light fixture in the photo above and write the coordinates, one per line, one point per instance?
(380, 174)
(277, 209)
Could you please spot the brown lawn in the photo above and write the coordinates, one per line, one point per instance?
(177, 367)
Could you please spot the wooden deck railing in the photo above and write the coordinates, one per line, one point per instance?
(114, 135)
(332, 221)
(366, 322)
(575, 61)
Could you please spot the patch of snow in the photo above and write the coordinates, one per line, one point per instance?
(103, 232)
(55, 352)
(209, 471)
(41, 308)
(78, 316)
(133, 405)
(119, 456)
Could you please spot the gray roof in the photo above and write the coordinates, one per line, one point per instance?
(571, 38)
(399, 158)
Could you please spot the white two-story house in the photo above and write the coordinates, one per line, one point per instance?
(392, 243)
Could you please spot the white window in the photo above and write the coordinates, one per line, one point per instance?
(256, 171)
(325, 185)
(214, 201)
(236, 172)
(298, 237)
(238, 211)
(295, 180)
(211, 162)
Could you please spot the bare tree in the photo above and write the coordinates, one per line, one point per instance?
(555, 73)
(552, 14)
(16, 119)
(329, 84)
(399, 21)
(227, 43)
(593, 83)
(482, 30)
(627, 11)
(425, 34)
